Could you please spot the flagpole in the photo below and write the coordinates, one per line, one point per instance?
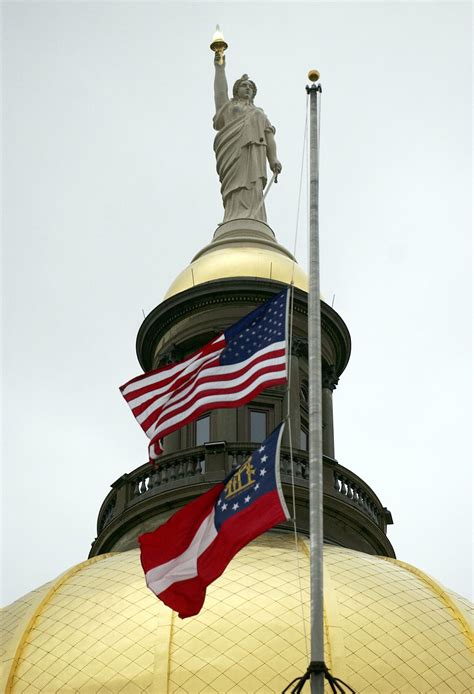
(315, 418)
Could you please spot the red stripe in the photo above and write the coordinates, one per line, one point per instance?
(207, 350)
(187, 597)
(237, 402)
(170, 383)
(156, 449)
(225, 375)
(176, 386)
(202, 378)
(173, 538)
(211, 390)
(165, 413)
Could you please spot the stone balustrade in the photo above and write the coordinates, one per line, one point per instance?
(178, 468)
(355, 492)
(193, 465)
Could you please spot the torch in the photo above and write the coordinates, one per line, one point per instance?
(218, 44)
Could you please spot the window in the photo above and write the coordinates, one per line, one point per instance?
(303, 440)
(258, 426)
(203, 430)
(304, 394)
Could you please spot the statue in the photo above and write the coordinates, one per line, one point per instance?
(244, 141)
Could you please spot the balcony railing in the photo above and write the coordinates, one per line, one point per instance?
(192, 466)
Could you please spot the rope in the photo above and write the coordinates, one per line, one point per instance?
(316, 668)
(304, 157)
(298, 571)
(292, 467)
(305, 137)
(290, 339)
(288, 404)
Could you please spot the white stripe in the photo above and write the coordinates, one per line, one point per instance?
(219, 384)
(184, 566)
(278, 475)
(152, 452)
(166, 372)
(165, 420)
(165, 416)
(156, 378)
(208, 371)
(212, 399)
(217, 371)
(165, 390)
(186, 369)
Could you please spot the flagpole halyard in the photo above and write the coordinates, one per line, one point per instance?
(315, 414)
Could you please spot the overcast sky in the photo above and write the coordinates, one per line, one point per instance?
(109, 189)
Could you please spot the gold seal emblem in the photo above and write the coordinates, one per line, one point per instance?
(243, 478)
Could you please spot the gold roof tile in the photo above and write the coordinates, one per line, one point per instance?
(98, 629)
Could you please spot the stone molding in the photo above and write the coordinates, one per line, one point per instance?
(226, 292)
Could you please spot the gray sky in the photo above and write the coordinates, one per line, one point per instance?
(110, 188)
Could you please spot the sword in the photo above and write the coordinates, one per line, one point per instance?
(274, 178)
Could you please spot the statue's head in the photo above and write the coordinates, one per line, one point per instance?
(244, 88)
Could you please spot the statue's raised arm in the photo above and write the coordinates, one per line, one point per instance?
(244, 141)
(221, 95)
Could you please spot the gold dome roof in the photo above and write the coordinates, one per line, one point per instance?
(241, 248)
(97, 628)
(239, 262)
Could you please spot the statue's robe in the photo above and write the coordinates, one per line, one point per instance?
(241, 153)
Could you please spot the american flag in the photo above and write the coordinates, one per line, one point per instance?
(227, 372)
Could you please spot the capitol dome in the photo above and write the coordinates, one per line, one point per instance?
(241, 248)
(239, 262)
(97, 628)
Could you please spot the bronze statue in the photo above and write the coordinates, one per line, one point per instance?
(244, 141)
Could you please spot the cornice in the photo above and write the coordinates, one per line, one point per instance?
(227, 292)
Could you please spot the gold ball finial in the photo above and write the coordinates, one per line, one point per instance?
(313, 75)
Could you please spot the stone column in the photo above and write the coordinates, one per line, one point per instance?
(295, 415)
(328, 383)
(299, 350)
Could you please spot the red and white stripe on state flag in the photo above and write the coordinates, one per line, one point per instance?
(192, 549)
(227, 372)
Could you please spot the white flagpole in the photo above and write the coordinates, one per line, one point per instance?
(315, 418)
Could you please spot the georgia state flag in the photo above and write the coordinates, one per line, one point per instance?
(188, 552)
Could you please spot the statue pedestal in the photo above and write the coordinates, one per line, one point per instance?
(241, 248)
(244, 233)
(251, 227)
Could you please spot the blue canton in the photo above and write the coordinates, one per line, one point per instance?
(256, 476)
(255, 331)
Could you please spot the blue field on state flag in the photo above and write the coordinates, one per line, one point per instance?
(257, 476)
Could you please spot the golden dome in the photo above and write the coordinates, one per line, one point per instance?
(97, 628)
(239, 262)
(241, 248)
